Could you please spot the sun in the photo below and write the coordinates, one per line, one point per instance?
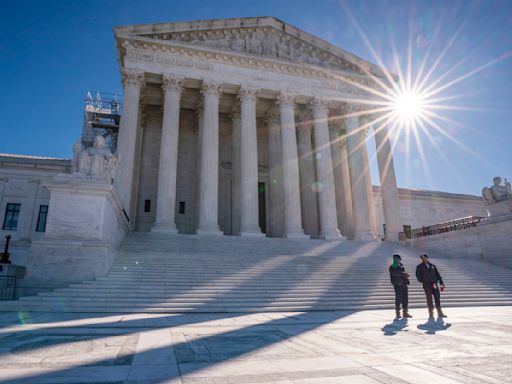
(408, 105)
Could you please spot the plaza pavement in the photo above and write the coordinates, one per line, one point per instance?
(473, 345)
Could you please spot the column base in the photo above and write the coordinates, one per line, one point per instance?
(365, 236)
(169, 228)
(251, 232)
(209, 230)
(296, 235)
(333, 235)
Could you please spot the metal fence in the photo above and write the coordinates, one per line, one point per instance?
(7, 287)
(448, 226)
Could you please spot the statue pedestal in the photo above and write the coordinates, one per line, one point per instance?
(84, 227)
(500, 208)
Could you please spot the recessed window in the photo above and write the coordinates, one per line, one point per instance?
(12, 212)
(147, 205)
(182, 208)
(41, 219)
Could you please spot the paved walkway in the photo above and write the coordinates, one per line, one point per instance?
(473, 345)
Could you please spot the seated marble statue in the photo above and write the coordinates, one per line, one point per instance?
(97, 162)
(497, 192)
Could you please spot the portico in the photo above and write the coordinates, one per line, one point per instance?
(230, 130)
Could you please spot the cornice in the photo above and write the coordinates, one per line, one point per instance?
(352, 82)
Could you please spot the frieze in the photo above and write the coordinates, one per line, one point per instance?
(335, 81)
(266, 42)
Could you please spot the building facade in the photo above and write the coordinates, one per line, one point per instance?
(232, 127)
(246, 127)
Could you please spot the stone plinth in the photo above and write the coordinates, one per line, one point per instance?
(500, 208)
(85, 225)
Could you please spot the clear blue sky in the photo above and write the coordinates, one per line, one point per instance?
(53, 52)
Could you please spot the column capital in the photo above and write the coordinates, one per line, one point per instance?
(132, 77)
(319, 105)
(349, 108)
(272, 116)
(211, 87)
(284, 99)
(248, 93)
(172, 83)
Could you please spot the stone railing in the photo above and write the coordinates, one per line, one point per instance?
(448, 226)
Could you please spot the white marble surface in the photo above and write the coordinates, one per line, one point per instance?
(473, 345)
(85, 225)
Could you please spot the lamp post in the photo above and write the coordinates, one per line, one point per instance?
(5, 255)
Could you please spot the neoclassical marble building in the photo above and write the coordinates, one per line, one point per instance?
(246, 127)
(241, 125)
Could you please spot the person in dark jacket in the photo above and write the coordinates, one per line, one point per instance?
(400, 280)
(429, 276)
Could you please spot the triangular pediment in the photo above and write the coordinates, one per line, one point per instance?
(264, 37)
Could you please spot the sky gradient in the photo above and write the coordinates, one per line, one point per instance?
(53, 52)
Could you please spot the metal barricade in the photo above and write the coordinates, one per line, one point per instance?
(7, 287)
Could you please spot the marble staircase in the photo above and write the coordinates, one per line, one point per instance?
(181, 273)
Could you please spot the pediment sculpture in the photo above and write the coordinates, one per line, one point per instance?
(261, 42)
(497, 192)
(96, 162)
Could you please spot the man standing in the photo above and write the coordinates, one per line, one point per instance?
(429, 276)
(400, 279)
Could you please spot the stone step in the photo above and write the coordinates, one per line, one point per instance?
(177, 274)
(274, 303)
(263, 291)
(45, 307)
(262, 284)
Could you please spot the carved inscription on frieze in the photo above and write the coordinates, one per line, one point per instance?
(168, 60)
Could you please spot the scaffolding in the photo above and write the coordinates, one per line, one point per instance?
(101, 117)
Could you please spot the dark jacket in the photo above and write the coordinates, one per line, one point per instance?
(397, 275)
(428, 275)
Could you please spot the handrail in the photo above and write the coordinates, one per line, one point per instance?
(448, 226)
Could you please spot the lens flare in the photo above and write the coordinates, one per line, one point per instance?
(408, 105)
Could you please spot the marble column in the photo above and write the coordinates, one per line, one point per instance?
(291, 185)
(198, 120)
(235, 170)
(354, 139)
(363, 122)
(167, 167)
(209, 168)
(275, 175)
(307, 177)
(249, 215)
(388, 187)
(324, 172)
(335, 137)
(347, 190)
(133, 81)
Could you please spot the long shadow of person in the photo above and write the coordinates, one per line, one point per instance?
(432, 326)
(397, 325)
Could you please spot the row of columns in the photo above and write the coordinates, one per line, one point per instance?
(341, 172)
